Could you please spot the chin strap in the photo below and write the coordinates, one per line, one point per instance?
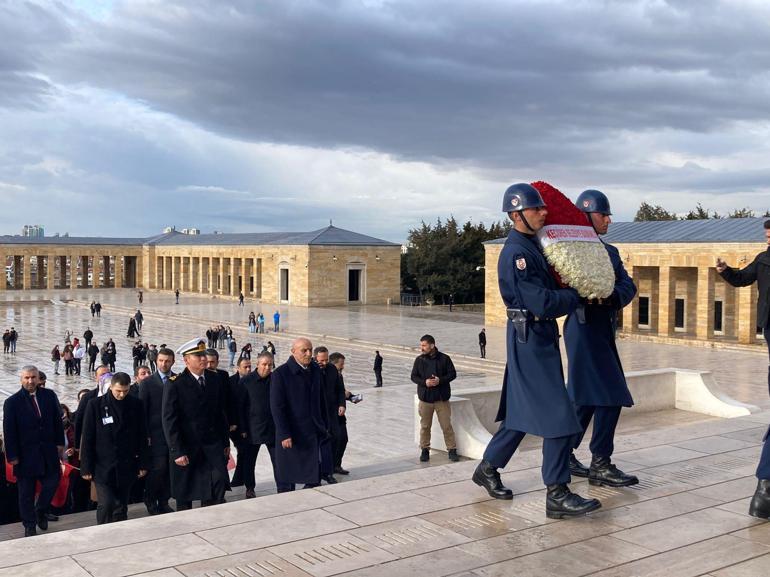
(524, 220)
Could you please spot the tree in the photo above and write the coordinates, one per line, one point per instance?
(741, 213)
(442, 259)
(698, 214)
(650, 212)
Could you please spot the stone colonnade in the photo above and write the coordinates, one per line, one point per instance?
(43, 267)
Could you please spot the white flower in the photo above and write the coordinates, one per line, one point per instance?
(583, 265)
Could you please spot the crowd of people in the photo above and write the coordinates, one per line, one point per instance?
(161, 434)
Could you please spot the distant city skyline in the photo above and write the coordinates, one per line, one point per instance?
(120, 117)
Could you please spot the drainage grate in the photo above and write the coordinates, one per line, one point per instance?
(333, 552)
(604, 492)
(530, 508)
(691, 472)
(650, 483)
(478, 520)
(409, 535)
(731, 463)
(254, 569)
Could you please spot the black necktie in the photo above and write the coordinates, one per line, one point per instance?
(202, 383)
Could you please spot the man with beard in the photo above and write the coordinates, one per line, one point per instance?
(334, 404)
(157, 485)
(296, 403)
(195, 426)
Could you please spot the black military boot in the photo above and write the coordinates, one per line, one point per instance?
(452, 454)
(760, 503)
(576, 468)
(487, 476)
(560, 502)
(603, 472)
(424, 455)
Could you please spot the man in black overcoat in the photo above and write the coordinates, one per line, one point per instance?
(34, 443)
(113, 450)
(334, 404)
(256, 422)
(157, 490)
(296, 403)
(195, 425)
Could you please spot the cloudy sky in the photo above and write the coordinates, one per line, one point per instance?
(121, 117)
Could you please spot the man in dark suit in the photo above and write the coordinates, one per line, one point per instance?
(338, 360)
(195, 425)
(334, 404)
(113, 450)
(157, 489)
(235, 394)
(296, 403)
(34, 444)
(257, 426)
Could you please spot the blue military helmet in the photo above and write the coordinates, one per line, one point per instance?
(593, 201)
(520, 196)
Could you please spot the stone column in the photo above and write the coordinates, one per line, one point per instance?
(747, 314)
(27, 272)
(118, 271)
(184, 262)
(222, 276)
(631, 310)
(704, 325)
(212, 275)
(666, 297)
(234, 274)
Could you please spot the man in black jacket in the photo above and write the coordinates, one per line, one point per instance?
(114, 448)
(758, 271)
(334, 403)
(157, 486)
(483, 343)
(432, 372)
(34, 443)
(257, 427)
(235, 393)
(195, 425)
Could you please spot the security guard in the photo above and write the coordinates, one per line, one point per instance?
(534, 399)
(596, 382)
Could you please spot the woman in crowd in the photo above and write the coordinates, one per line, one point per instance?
(56, 359)
(68, 357)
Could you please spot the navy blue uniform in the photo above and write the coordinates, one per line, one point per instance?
(763, 469)
(596, 383)
(534, 398)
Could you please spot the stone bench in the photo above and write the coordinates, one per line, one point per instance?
(474, 410)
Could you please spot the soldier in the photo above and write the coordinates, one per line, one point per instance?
(534, 399)
(195, 426)
(596, 383)
(758, 271)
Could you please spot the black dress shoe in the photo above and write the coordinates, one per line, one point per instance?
(603, 472)
(164, 507)
(425, 455)
(341, 471)
(452, 454)
(760, 502)
(51, 517)
(487, 476)
(152, 509)
(560, 502)
(330, 479)
(576, 468)
(30, 531)
(42, 520)
(250, 494)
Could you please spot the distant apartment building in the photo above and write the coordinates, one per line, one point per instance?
(33, 231)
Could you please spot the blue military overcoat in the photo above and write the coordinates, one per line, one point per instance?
(595, 374)
(297, 405)
(534, 398)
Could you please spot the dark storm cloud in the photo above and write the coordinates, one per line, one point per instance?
(490, 83)
(29, 33)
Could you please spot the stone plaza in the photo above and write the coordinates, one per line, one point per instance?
(395, 515)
